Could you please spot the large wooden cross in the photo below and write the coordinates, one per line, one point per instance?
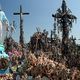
(21, 40)
(64, 20)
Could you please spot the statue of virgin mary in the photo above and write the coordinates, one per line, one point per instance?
(4, 24)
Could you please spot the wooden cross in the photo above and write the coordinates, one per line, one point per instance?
(21, 25)
(64, 20)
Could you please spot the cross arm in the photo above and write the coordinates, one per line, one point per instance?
(71, 16)
(26, 13)
(57, 15)
(16, 13)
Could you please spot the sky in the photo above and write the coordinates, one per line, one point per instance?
(40, 15)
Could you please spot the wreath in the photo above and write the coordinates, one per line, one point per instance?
(4, 63)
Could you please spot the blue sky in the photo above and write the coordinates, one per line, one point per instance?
(40, 15)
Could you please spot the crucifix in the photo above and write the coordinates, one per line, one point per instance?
(64, 20)
(21, 40)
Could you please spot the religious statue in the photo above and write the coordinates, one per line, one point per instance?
(3, 22)
(3, 56)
